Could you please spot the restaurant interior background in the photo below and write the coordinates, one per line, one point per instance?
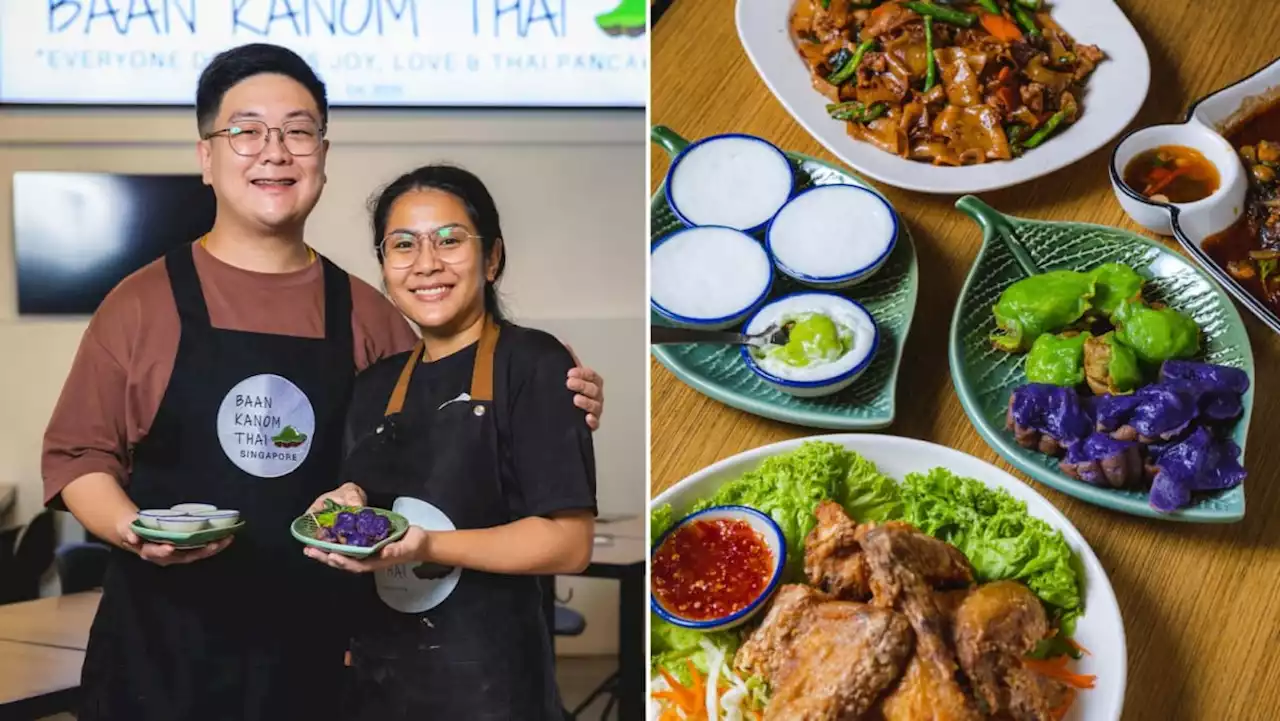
(569, 183)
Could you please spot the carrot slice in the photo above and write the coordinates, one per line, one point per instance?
(1001, 27)
(1167, 178)
(1057, 669)
(1078, 647)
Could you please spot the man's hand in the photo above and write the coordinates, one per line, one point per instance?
(163, 554)
(589, 387)
(348, 494)
(413, 546)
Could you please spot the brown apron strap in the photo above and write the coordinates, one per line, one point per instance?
(402, 386)
(482, 372)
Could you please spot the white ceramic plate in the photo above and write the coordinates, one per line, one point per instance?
(1100, 629)
(1113, 95)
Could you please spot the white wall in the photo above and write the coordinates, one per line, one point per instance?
(571, 188)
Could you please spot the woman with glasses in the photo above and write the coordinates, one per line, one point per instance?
(473, 438)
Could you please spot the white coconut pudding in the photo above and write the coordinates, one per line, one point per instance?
(735, 181)
(832, 341)
(708, 277)
(832, 236)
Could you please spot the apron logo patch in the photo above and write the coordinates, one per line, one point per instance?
(418, 587)
(265, 425)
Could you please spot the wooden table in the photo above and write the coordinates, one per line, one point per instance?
(1201, 604)
(36, 680)
(60, 621)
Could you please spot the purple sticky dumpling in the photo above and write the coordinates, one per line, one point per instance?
(1153, 413)
(1052, 410)
(1101, 460)
(1197, 463)
(1216, 377)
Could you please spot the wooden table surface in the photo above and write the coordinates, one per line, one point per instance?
(28, 670)
(61, 621)
(1201, 604)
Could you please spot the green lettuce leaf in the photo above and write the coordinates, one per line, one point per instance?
(998, 536)
(671, 645)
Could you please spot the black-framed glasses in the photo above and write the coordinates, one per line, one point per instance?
(250, 137)
(401, 248)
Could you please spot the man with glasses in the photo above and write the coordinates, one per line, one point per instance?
(186, 378)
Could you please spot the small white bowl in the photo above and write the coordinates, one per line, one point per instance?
(220, 518)
(832, 236)
(824, 380)
(708, 277)
(151, 517)
(194, 507)
(1218, 210)
(182, 524)
(773, 538)
(731, 180)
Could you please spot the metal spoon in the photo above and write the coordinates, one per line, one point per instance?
(773, 335)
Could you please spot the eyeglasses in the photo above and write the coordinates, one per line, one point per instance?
(401, 249)
(250, 137)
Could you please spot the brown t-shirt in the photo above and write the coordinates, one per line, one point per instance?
(127, 353)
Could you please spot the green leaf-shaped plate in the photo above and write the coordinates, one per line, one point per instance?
(890, 296)
(984, 377)
(184, 539)
(304, 529)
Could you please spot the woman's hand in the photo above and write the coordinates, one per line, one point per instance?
(164, 554)
(413, 547)
(348, 494)
(589, 389)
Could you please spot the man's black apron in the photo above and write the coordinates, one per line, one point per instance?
(250, 634)
(482, 651)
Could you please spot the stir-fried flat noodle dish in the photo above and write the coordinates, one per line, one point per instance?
(1250, 249)
(948, 83)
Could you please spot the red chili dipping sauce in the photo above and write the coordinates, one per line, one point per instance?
(711, 569)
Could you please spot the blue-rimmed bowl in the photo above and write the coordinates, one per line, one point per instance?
(768, 530)
(729, 181)
(715, 269)
(833, 377)
(840, 216)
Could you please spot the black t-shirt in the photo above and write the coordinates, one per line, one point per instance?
(547, 456)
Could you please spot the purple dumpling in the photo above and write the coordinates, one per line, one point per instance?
(1048, 418)
(1154, 413)
(1197, 463)
(1218, 378)
(1101, 460)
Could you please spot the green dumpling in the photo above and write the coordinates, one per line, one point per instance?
(1057, 359)
(1156, 335)
(1113, 284)
(1045, 303)
(1111, 366)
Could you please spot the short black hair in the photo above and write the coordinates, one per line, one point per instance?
(474, 196)
(230, 67)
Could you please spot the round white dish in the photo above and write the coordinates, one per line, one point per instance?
(220, 518)
(1100, 629)
(1114, 94)
(194, 507)
(182, 524)
(832, 236)
(772, 535)
(829, 378)
(708, 277)
(732, 180)
(151, 516)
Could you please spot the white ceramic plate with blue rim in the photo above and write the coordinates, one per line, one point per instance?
(1113, 95)
(1101, 627)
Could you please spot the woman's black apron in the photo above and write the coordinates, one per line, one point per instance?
(482, 650)
(254, 633)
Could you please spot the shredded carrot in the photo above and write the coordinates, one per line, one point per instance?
(1057, 668)
(681, 696)
(1167, 177)
(1078, 647)
(1001, 27)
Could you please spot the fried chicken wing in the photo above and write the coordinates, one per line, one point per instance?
(900, 559)
(833, 559)
(995, 627)
(825, 660)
